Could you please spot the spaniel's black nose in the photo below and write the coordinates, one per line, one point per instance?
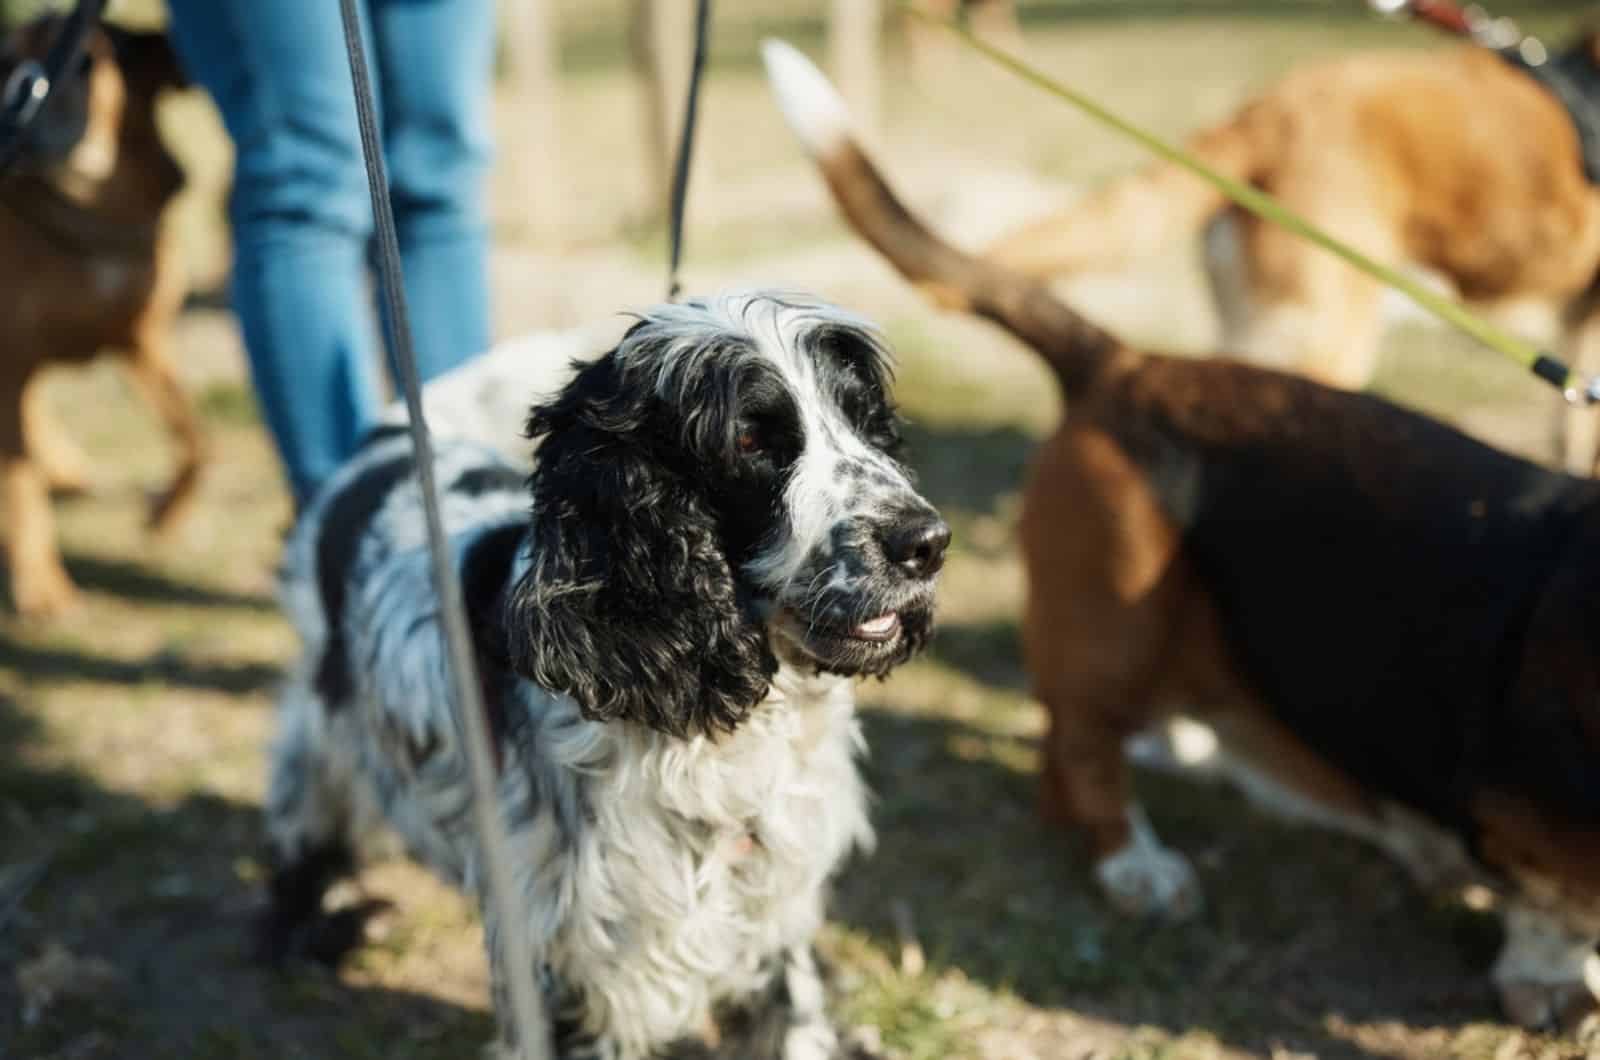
(917, 545)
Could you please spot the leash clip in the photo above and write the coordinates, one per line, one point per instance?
(1585, 396)
(24, 93)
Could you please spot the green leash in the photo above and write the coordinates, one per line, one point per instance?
(1541, 363)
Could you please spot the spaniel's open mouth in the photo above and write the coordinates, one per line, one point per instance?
(846, 644)
(871, 633)
(879, 629)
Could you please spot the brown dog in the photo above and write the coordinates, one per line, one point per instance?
(85, 266)
(1394, 624)
(1452, 160)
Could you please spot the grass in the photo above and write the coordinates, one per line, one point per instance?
(231, 403)
(132, 734)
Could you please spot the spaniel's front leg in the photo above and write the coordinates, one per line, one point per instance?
(789, 1021)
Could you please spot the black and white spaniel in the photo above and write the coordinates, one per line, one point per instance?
(721, 537)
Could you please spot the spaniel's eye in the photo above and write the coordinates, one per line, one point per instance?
(748, 441)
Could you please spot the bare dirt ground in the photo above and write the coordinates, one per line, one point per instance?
(132, 733)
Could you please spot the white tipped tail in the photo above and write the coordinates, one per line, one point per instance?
(1074, 348)
(809, 102)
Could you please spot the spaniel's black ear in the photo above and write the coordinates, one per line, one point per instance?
(629, 605)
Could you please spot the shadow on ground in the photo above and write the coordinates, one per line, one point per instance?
(36, 662)
(165, 896)
(988, 652)
(1300, 928)
(967, 468)
(142, 583)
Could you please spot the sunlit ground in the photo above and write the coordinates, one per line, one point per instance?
(132, 735)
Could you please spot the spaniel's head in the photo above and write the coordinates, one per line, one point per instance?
(719, 494)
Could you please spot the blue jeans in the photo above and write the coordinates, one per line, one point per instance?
(301, 216)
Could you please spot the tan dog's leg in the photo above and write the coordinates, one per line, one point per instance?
(1114, 226)
(58, 457)
(1304, 310)
(156, 378)
(39, 583)
(1103, 597)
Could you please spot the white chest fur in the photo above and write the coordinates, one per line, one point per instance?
(705, 859)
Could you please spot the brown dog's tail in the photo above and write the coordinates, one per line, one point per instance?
(1138, 215)
(1076, 349)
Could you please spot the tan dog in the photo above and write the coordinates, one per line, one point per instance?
(1451, 160)
(1392, 624)
(85, 267)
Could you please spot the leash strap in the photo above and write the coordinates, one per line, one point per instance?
(1441, 13)
(1545, 365)
(24, 94)
(1471, 22)
(680, 169)
(527, 1010)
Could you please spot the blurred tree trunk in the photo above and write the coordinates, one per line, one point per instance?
(853, 45)
(662, 39)
(535, 90)
(931, 47)
(996, 22)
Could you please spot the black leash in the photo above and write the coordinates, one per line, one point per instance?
(680, 172)
(28, 87)
(527, 1009)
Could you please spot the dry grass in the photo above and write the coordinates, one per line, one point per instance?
(131, 735)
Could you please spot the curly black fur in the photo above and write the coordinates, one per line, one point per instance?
(631, 606)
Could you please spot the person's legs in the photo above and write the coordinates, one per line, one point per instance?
(301, 218)
(435, 65)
